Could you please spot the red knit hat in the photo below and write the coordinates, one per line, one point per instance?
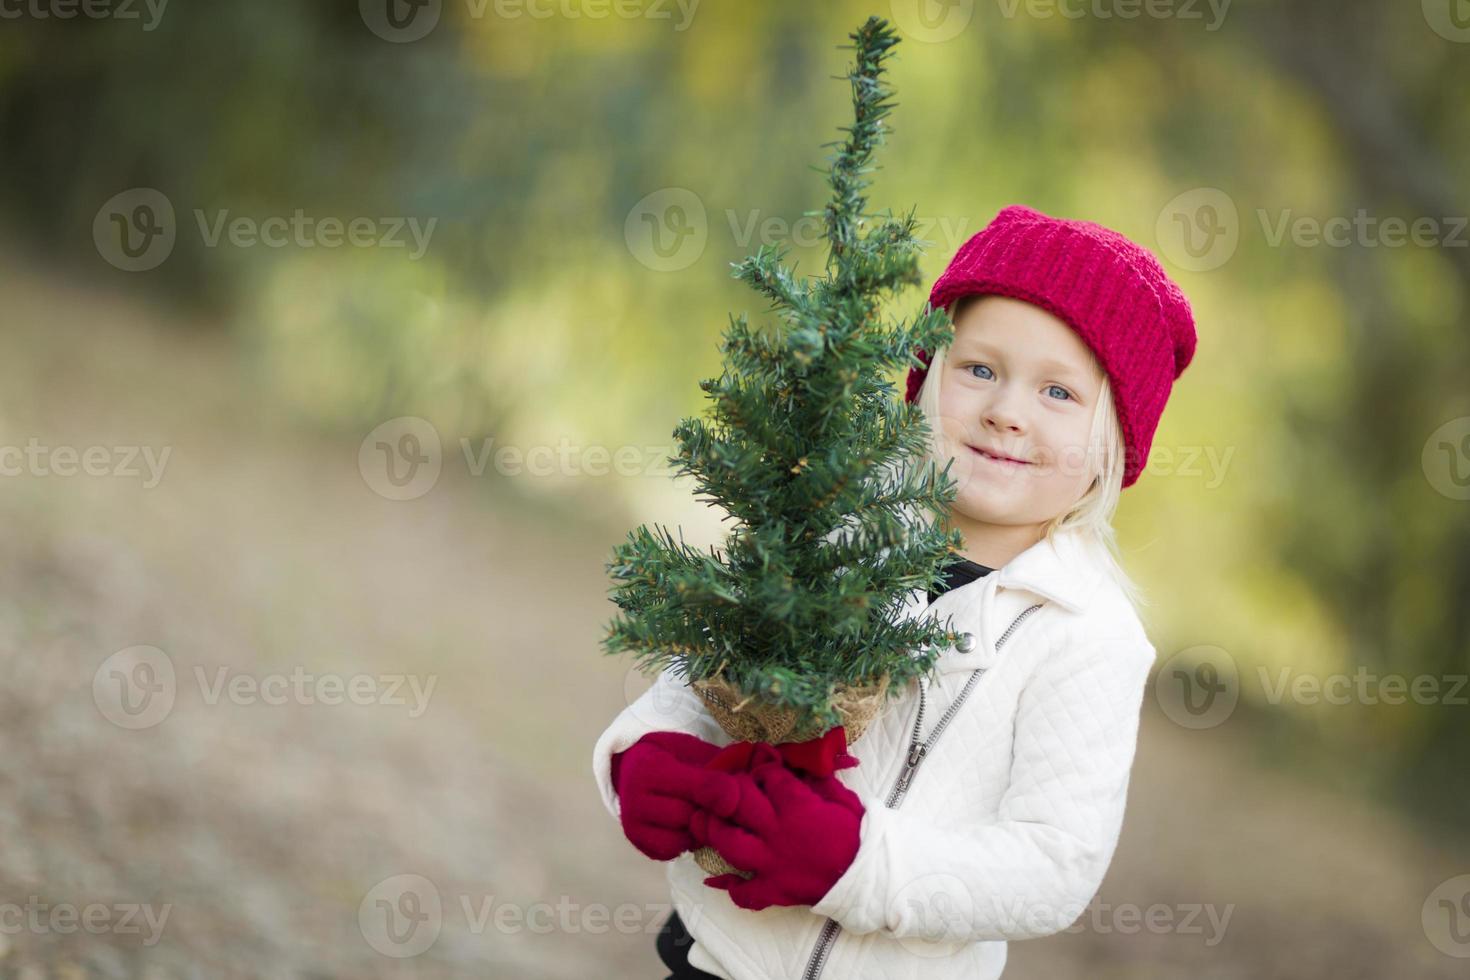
(1113, 293)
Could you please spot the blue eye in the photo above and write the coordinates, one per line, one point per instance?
(973, 366)
(1065, 393)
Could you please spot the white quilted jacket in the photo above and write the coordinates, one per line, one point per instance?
(1010, 818)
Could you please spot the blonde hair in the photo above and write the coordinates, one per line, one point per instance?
(1092, 515)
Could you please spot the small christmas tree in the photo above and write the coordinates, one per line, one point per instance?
(812, 454)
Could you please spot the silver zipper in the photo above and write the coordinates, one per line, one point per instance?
(918, 751)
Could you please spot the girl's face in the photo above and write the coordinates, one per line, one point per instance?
(1018, 383)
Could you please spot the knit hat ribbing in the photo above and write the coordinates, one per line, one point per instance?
(1112, 292)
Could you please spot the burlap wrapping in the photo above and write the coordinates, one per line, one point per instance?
(750, 718)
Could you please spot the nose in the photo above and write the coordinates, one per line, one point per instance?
(1003, 412)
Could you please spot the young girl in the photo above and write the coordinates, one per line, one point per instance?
(986, 802)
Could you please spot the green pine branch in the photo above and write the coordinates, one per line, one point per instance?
(816, 460)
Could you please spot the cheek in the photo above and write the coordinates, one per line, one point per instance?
(1065, 447)
(947, 399)
(956, 409)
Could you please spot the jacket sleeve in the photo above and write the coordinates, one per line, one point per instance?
(1032, 871)
(669, 705)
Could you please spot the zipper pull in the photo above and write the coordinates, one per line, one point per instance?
(903, 780)
(916, 755)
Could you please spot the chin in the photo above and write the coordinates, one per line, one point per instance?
(987, 504)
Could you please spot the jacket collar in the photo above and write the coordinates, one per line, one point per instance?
(1064, 571)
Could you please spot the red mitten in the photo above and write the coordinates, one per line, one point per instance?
(795, 834)
(656, 779)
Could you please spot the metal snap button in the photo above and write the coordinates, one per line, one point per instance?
(966, 643)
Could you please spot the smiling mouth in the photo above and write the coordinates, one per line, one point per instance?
(998, 460)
